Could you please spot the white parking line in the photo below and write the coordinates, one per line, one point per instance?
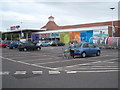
(54, 72)
(97, 71)
(99, 68)
(110, 62)
(20, 72)
(60, 61)
(28, 63)
(71, 72)
(4, 73)
(70, 66)
(37, 72)
(41, 59)
(103, 66)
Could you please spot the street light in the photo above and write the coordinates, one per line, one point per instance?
(112, 21)
(21, 29)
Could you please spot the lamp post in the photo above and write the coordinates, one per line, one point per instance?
(112, 21)
(21, 29)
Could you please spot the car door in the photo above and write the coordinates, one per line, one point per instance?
(86, 48)
(32, 46)
(92, 48)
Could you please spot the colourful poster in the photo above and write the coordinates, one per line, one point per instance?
(65, 37)
(54, 35)
(86, 35)
(35, 36)
(75, 36)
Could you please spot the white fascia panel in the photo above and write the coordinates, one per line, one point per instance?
(76, 29)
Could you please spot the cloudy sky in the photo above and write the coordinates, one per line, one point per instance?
(34, 13)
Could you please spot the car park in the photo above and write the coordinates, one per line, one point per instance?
(86, 49)
(28, 46)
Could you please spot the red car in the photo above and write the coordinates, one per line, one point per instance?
(3, 44)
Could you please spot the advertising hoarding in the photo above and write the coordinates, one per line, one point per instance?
(75, 36)
(35, 37)
(65, 37)
(86, 35)
(114, 41)
(54, 35)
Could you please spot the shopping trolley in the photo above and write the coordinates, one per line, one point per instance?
(66, 53)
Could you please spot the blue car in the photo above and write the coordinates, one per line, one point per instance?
(86, 49)
(14, 44)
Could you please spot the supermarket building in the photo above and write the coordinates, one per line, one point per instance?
(81, 32)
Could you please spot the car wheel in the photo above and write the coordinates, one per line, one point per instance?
(20, 50)
(38, 48)
(25, 49)
(10, 47)
(83, 54)
(98, 53)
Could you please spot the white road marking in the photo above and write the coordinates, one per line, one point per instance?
(28, 63)
(37, 72)
(4, 73)
(54, 72)
(99, 71)
(70, 66)
(60, 61)
(103, 66)
(98, 68)
(41, 59)
(71, 72)
(23, 62)
(20, 72)
(110, 62)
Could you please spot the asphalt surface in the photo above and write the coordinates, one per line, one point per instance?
(48, 69)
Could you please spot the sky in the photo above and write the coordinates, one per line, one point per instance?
(35, 13)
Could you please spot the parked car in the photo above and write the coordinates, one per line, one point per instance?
(57, 43)
(43, 44)
(85, 49)
(14, 44)
(8, 44)
(28, 46)
(3, 44)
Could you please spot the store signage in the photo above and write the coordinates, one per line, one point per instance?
(101, 33)
(14, 27)
(45, 35)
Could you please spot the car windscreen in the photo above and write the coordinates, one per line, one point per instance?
(77, 45)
